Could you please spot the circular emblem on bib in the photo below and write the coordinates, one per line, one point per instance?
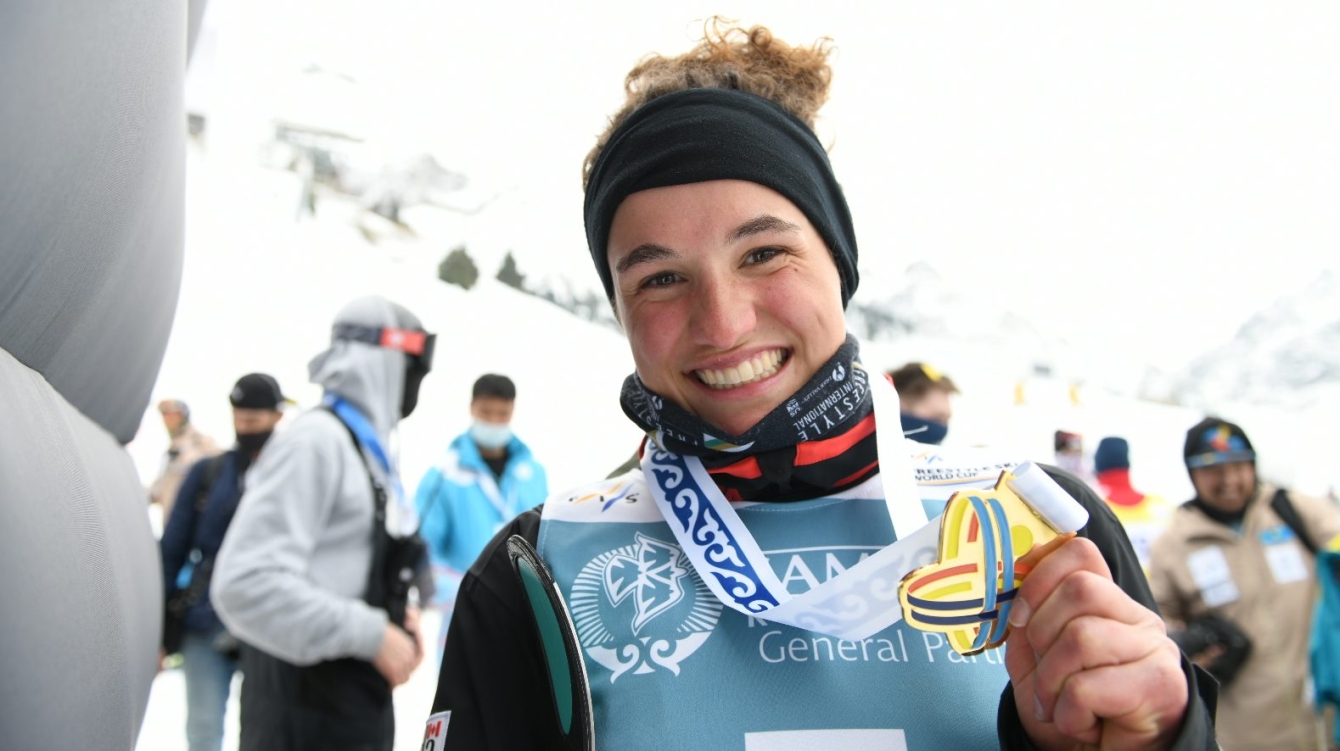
(641, 608)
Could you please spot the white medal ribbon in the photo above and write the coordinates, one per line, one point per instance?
(853, 605)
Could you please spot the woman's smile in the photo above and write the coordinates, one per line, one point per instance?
(752, 369)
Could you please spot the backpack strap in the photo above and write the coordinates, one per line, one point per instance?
(213, 466)
(1283, 507)
(376, 594)
(203, 570)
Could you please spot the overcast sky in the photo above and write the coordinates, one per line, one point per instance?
(1148, 172)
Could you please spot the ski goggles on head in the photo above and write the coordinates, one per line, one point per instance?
(415, 343)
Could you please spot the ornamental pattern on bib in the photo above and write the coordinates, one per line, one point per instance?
(641, 608)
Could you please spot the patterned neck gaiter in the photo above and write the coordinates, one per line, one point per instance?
(820, 440)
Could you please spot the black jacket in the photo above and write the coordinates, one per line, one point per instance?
(495, 683)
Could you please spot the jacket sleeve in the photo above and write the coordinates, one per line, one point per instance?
(1322, 519)
(493, 679)
(260, 588)
(541, 482)
(180, 528)
(1197, 731)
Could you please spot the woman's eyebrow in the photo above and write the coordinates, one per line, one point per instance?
(758, 225)
(644, 253)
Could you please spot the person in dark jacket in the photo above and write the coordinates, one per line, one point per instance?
(740, 588)
(207, 500)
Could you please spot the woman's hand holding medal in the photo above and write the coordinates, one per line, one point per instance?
(1090, 666)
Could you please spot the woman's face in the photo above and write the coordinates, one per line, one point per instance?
(730, 299)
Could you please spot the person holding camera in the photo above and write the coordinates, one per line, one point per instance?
(1235, 578)
(314, 573)
(209, 495)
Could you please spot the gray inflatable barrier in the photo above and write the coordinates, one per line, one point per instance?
(92, 147)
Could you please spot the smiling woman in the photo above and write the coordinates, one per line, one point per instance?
(724, 242)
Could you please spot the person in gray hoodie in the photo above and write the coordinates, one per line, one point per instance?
(301, 576)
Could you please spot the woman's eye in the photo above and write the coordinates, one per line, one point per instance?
(663, 279)
(762, 255)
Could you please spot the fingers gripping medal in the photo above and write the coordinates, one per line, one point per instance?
(989, 540)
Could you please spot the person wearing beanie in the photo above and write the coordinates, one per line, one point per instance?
(1231, 554)
(315, 572)
(187, 445)
(192, 536)
(923, 398)
(736, 588)
(1143, 516)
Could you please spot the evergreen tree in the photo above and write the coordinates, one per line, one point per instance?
(458, 268)
(510, 275)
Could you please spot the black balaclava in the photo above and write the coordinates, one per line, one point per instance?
(252, 443)
(415, 370)
(416, 366)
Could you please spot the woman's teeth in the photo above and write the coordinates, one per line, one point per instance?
(756, 368)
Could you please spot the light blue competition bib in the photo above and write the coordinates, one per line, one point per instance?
(671, 667)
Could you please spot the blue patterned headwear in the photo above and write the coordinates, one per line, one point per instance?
(1213, 441)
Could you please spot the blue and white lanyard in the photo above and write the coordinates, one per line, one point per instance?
(367, 438)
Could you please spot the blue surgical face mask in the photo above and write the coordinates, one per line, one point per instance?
(924, 431)
(491, 435)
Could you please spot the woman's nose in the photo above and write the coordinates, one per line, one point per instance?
(722, 315)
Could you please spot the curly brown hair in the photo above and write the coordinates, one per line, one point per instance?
(730, 57)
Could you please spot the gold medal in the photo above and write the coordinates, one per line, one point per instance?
(989, 540)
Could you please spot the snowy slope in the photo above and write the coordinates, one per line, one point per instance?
(1287, 354)
(260, 288)
(260, 293)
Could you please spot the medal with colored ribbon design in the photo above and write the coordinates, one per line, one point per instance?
(875, 593)
(989, 541)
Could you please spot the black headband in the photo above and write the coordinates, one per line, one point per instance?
(697, 135)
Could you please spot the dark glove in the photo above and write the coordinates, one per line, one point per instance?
(1208, 631)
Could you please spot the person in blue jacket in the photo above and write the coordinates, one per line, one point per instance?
(486, 478)
(207, 499)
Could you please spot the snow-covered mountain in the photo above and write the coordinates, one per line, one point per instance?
(1287, 355)
(259, 291)
(923, 310)
(922, 302)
